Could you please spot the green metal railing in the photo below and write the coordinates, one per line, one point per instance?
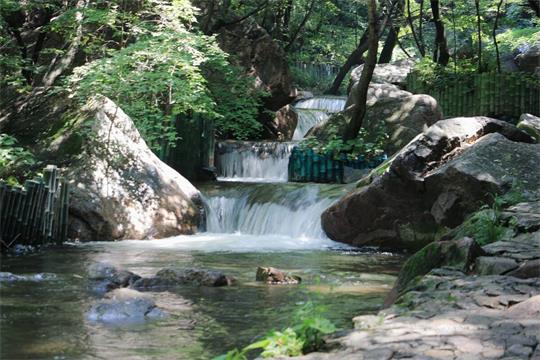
(489, 94)
(305, 165)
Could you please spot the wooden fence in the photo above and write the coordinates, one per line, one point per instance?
(305, 165)
(489, 94)
(36, 214)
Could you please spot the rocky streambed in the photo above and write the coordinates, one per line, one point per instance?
(456, 299)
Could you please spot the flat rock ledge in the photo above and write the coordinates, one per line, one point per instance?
(448, 314)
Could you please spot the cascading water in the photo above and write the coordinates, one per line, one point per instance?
(306, 120)
(330, 104)
(252, 208)
(248, 161)
(314, 111)
(264, 209)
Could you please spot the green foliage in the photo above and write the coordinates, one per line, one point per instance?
(13, 157)
(163, 76)
(366, 144)
(306, 335)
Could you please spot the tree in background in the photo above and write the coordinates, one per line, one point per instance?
(367, 73)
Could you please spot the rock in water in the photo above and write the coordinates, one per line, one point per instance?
(172, 277)
(274, 276)
(105, 277)
(439, 178)
(125, 305)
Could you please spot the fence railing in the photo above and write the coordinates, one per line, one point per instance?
(36, 214)
(305, 165)
(489, 94)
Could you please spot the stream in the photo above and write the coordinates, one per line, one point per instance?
(254, 218)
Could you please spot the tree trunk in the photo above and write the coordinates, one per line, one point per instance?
(389, 45)
(440, 54)
(356, 58)
(479, 31)
(413, 31)
(367, 73)
(495, 26)
(59, 65)
(300, 28)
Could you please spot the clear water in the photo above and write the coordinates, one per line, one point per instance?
(45, 319)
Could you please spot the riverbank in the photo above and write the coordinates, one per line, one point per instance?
(490, 312)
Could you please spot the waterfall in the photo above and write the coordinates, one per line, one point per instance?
(306, 120)
(314, 111)
(269, 209)
(249, 161)
(330, 104)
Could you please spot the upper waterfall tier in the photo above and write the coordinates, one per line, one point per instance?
(251, 161)
(329, 104)
(290, 210)
(314, 111)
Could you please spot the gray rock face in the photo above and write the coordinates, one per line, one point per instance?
(125, 305)
(526, 215)
(494, 265)
(285, 123)
(440, 177)
(121, 190)
(275, 276)
(172, 277)
(394, 73)
(531, 125)
(529, 61)
(105, 277)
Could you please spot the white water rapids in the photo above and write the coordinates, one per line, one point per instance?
(253, 208)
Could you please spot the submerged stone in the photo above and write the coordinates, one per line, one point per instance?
(125, 305)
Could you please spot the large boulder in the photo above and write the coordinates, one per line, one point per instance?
(393, 73)
(119, 188)
(403, 114)
(434, 182)
(253, 49)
